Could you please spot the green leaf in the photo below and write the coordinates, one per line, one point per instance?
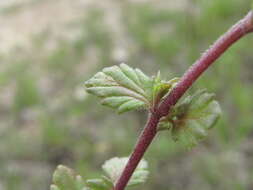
(115, 166)
(161, 88)
(191, 119)
(64, 178)
(107, 181)
(97, 184)
(124, 88)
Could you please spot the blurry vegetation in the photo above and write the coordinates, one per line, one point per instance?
(47, 119)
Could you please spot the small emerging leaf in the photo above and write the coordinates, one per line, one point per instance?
(114, 167)
(124, 88)
(191, 119)
(161, 88)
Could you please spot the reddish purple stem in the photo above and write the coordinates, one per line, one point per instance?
(239, 30)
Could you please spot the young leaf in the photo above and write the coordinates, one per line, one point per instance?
(65, 179)
(161, 88)
(124, 88)
(191, 119)
(114, 167)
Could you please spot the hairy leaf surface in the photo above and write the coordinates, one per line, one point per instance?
(115, 166)
(191, 119)
(124, 88)
(64, 178)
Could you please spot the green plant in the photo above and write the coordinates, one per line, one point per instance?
(124, 89)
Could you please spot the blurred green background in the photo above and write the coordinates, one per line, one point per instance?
(49, 48)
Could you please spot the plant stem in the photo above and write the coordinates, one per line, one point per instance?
(239, 30)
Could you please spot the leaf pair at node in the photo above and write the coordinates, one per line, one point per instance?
(64, 178)
(124, 88)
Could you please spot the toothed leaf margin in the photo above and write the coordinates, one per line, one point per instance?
(124, 88)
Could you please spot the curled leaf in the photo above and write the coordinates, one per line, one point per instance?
(191, 119)
(161, 88)
(124, 88)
